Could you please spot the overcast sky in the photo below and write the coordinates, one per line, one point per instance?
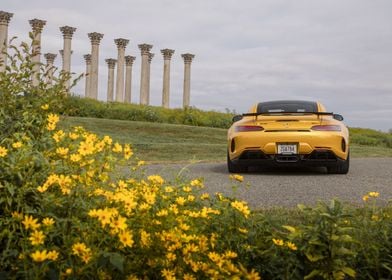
(336, 51)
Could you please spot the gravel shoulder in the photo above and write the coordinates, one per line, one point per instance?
(289, 187)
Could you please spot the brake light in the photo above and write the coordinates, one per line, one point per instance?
(326, 128)
(246, 128)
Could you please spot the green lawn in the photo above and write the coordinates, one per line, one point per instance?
(168, 142)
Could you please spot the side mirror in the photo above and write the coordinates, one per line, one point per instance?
(237, 118)
(338, 117)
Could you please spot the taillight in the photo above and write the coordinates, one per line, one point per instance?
(326, 128)
(246, 128)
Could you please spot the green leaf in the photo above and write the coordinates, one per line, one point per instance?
(311, 275)
(117, 261)
(349, 271)
(314, 258)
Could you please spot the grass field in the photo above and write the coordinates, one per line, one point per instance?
(158, 142)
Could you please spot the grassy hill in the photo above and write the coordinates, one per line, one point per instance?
(171, 142)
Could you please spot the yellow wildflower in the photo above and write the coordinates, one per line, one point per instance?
(230, 254)
(365, 198)
(117, 148)
(68, 271)
(37, 238)
(156, 179)
(145, 238)
(141, 162)
(42, 189)
(119, 224)
(3, 151)
(197, 183)
(58, 136)
(126, 238)
(73, 136)
(30, 223)
(237, 177)
(241, 207)
(162, 213)
(39, 256)
(75, 157)
(52, 121)
(53, 255)
(45, 107)
(86, 148)
(17, 145)
(169, 189)
(61, 151)
(171, 257)
(127, 152)
(191, 198)
(168, 274)
(80, 249)
(107, 140)
(253, 275)
(187, 189)
(205, 196)
(48, 222)
(243, 230)
(278, 242)
(373, 194)
(291, 246)
(180, 200)
(17, 215)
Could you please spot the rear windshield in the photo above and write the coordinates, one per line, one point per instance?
(287, 106)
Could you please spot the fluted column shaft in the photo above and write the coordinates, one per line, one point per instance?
(167, 54)
(111, 64)
(95, 39)
(150, 57)
(145, 50)
(121, 45)
(128, 78)
(87, 58)
(67, 35)
(37, 26)
(50, 57)
(4, 21)
(187, 78)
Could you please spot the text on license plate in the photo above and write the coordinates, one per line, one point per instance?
(287, 149)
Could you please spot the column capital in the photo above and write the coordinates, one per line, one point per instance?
(67, 31)
(145, 48)
(188, 57)
(167, 53)
(87, 58)
(129, 60)
(37, 24)
(5, 17)
(121, 43)
(61, 52)
(150, 56)
(95, 37)
(111, 62)
(50, 57)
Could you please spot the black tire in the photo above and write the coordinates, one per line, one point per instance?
(235, 168)
(341, 167)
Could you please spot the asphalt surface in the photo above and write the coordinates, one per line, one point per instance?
(289, 187)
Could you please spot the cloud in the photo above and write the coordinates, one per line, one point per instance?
(338, 52)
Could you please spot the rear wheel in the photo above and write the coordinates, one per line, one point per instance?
(235, 168)
(341, 167)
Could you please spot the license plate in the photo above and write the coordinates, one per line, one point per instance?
(287, 149)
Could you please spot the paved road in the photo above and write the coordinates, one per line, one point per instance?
(282, 187)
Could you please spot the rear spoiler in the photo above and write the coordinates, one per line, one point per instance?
(335, 116)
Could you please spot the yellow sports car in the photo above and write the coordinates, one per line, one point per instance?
(288, 133)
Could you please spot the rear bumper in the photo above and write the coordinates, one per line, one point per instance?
(316, 159)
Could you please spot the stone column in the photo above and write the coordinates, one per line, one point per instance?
(95, 39)
(68, 32)
(150, 57)
(145, 50)
(111, 64)
(37, 26)
(87, 58)
(121, 45)
(4, 21)
(187, 78)
(61, 52)
(167, 54)
(50, 57)
(128, 77)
